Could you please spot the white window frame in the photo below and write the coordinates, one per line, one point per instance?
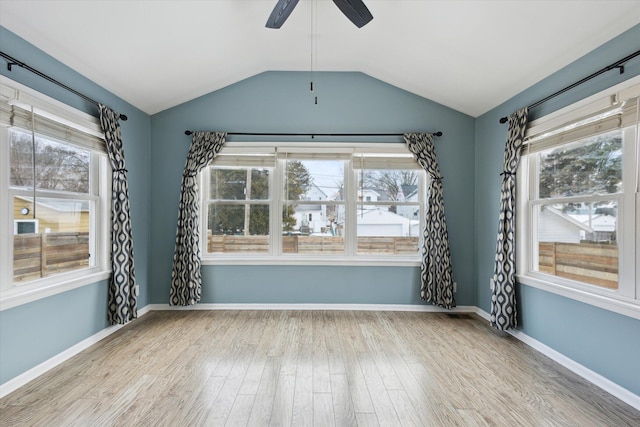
(626, 299)
(205, 191)
(15, 294)
(386, 164)
(323, 151)
(18, 221)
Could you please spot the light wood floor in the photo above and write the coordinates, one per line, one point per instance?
(321, 368)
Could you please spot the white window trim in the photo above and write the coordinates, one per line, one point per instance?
(15, 295)
(626, 302)
(341, 150)
(335, 260)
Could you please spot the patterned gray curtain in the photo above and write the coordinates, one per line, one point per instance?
(123, 305)
(186, 280)
(436, 277)
(503, 297)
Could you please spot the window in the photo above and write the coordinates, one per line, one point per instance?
(313, 215)
(387, 200)
(577, 196)
(337, 203)
(54, 197)
(238, 210)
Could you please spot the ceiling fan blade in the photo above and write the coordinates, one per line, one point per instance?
(355, 10)
(280, 13)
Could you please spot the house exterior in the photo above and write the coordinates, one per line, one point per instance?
(410, 194)
(382, 222)
(369, 195)
(311, 218)
(51, 216)
(557, 226)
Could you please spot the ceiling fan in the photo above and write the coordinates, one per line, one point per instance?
(355, 10)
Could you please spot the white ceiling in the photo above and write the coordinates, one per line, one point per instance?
(468, 55)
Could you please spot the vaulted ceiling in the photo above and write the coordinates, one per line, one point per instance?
(468, 55)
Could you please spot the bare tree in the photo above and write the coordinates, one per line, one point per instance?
(391, 181)
(57, 166)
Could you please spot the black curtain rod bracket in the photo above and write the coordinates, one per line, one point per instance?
(312, 135)
(12, 61)
(619, 65)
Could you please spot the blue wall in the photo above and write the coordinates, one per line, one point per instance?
(281, 102)
(34, 332)
(605, 342)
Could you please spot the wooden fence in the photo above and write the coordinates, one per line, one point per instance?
(592, 263)
(312, 245)
(40, 255)
(388, 245)
(298, 244)
(238, 244)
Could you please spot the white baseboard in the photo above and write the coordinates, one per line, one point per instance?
(607, 385)
(33, 373)
(328, 307)
(480, 312)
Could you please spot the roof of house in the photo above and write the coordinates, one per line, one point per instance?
(60, 205)
(586, 222)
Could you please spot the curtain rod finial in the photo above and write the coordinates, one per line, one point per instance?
(123, 117)
(438, 133)
(503, 120)
(188, 132)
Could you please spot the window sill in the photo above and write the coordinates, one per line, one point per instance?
(25, 294)
(307, 260)
(614, 303)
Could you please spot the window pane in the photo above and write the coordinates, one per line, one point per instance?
(58, 166)
(578, 241)
(389, 229)
(240, 184)
(238, 228)
(590, 166)
(53, 239)
(313, 229)
(392, 228)
(314, 180)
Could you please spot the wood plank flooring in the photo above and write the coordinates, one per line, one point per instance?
(311, 368)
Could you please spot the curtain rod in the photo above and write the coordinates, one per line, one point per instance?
(618, 64)
(312, 135)
(12, 61)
